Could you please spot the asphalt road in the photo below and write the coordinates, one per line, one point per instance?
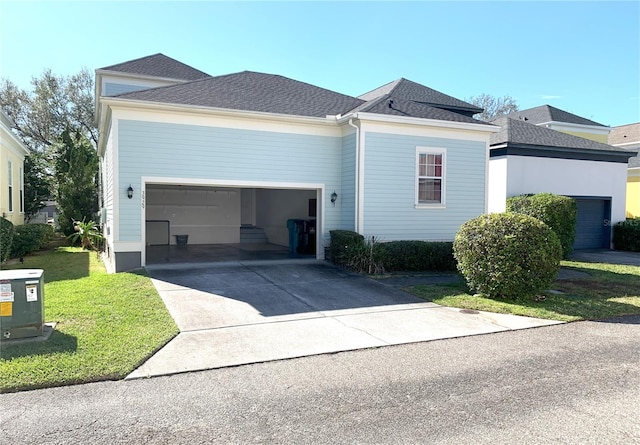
(569, 384)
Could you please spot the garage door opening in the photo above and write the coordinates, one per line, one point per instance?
(593, 228)
(209, 223)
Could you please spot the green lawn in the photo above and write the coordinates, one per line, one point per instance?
(107, 325)
(592, 291)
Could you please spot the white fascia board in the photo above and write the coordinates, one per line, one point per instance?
(576, 127)
(221, 117)
(103, 128)
(158, 180)
(628, 145)
(123, 75)
(385, 118)
(12, 143)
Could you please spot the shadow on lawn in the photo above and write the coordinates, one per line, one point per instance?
(59, 342)
(582, 293)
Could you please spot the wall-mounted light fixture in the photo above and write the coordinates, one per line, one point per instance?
(130, 192)
(334, 196)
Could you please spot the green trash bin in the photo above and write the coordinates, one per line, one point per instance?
(21, 303)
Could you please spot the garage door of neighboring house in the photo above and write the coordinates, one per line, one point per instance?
(593, 230)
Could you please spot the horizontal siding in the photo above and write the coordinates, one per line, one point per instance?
(389, 187)
(199, 152)
(348, 190)
(113, 89)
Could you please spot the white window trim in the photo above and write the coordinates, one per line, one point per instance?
(21, 190)
(10, 204)
(431, 150)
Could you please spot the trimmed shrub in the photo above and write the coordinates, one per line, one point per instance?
(418, 256)
(6, 238)
(366, 257)
(558, 212)
(507, 255)
(626, 235)
(30, 238)
(343, 243)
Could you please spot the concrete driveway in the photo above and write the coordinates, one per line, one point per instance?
(240, 313)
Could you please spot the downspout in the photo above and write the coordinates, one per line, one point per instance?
(357, 178)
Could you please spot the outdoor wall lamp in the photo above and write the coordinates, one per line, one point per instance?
(130, 192)
(334, 196)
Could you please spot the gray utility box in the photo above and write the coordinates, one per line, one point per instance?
(21, 303)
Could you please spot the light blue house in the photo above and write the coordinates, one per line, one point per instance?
(185, 153)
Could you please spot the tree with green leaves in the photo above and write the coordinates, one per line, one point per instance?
(56, 121)
(55, 104)
(76, 166)
(38, 184)
(494, 107)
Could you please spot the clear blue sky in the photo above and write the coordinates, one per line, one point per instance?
(583, 57)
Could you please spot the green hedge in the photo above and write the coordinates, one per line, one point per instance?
(30, 238)
(507, 255)
(626, 235)
(418, 256)
(6, 238)
(343, 244)
(352, 251)
(558, 212)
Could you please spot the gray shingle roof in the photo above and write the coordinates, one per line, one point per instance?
(634, 162)
(547, 113)
(251, 91)
(408, 90)
(514, 131)
(625, 134)
(158, 65)
(387, 104)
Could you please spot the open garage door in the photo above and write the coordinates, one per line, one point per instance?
(209, 223)
(593, 230)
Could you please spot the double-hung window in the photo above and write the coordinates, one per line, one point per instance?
(430, 177)
(21, 203)
(10, 178)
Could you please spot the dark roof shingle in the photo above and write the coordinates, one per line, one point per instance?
(158, 65)
(514, 131)
(547, 113)
(251, 91)
(625, 134)
(408, 90)
(387, 104)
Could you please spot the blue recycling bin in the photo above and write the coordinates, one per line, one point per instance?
(294, 226)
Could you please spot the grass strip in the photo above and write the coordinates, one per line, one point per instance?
(588, 291)
(107, 324)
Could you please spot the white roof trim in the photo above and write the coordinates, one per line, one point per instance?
(419, 121)
(576, 127)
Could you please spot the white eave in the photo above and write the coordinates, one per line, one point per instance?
(488, 128)
(12, 141)
(576, 127)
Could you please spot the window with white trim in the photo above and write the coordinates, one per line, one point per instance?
(21, 203)
(430, 177)
(10, 178)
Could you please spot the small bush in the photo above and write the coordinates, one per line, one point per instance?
(30, 238)
(418, 256)
(507, 255)
(626, 235)
(343, 242)
(558, 212)
(6, 238)
(366, 257)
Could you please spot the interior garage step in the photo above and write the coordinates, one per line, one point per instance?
(252, 234)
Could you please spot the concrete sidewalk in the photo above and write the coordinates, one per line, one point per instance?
(239, 313)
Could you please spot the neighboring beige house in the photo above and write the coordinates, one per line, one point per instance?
(628, 137)
(12, 154)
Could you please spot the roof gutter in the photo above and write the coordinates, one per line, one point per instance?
(488, 128)
(199, 109)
